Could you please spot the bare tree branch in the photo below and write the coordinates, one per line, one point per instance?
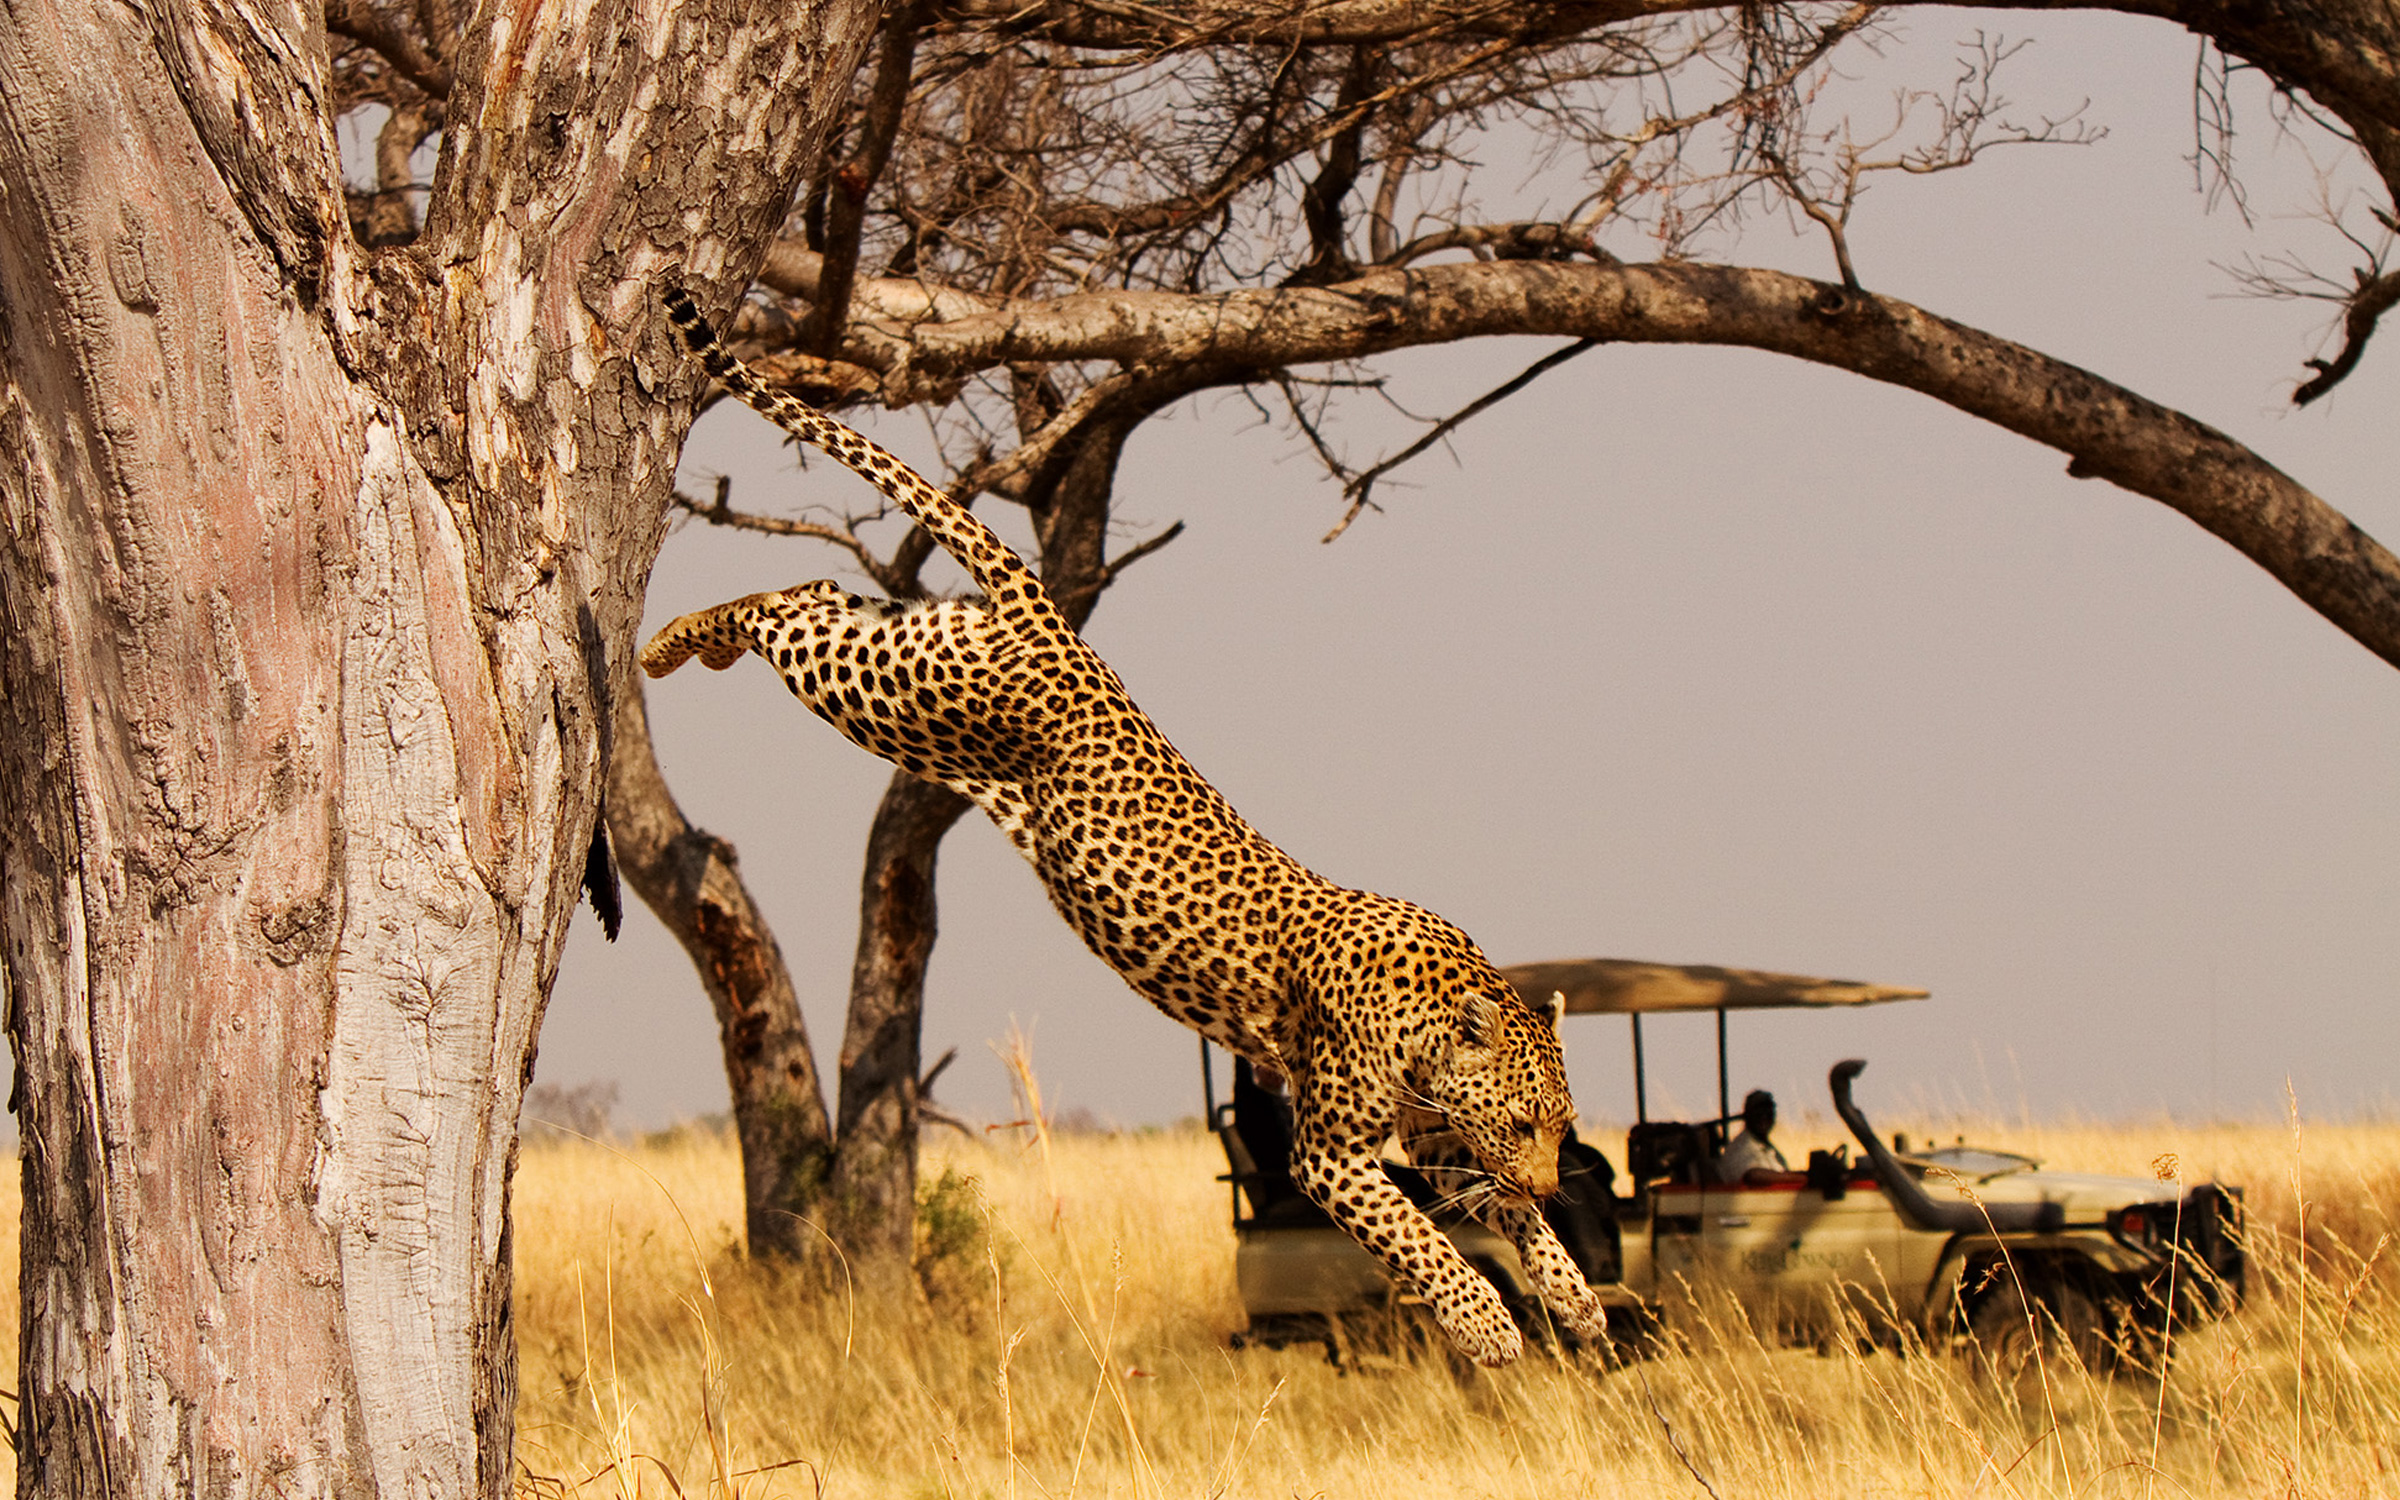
(889, 576)
(363, 23)
(1359, 488)
(2376, 296)
(2344, 53)
(846, 212)
(2106, 430)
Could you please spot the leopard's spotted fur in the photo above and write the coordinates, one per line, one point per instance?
(1386, 1018)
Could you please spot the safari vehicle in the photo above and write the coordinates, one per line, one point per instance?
(1959, 1241)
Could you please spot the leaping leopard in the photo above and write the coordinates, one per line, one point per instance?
(1387, 1020)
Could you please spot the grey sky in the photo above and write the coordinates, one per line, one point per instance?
(1706, 656)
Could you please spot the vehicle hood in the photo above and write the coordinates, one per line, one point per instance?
(2084, 1195)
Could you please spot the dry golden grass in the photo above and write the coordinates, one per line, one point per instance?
(1080, 1348)
(1077, 1345)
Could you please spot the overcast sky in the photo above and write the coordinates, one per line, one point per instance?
(1704, 656)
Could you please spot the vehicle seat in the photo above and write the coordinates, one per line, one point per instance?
(1671, 1151)
(1583, 1213)
(1258, 1147)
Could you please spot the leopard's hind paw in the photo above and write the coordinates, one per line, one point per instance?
(716, 636)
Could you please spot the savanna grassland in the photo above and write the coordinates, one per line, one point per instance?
(1068, 1335)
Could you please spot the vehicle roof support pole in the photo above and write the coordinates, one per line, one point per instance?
(1724, 1092)
(1641, 1081)
(1208, 1090)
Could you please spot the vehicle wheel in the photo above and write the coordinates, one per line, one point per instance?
(1542, 1332)
(2010, 1341)
(2144, 1350)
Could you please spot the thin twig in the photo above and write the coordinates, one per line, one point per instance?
(1117, 565)
(1673, 1441)
(1038, 448)
(1832, 223)
(890, 576)
(1358, 489)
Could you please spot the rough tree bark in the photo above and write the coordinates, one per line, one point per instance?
(317, 567)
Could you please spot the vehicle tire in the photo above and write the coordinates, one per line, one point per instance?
(1634, 1334)
(2027, 1321)
(2145, 1351)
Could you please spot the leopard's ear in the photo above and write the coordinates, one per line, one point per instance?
(1555, 1010)
(1479, 1020)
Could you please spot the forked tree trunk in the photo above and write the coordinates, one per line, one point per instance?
(862, 1192)
(871, 1201)
(872, 1196)
(317, 568)
(688, 876)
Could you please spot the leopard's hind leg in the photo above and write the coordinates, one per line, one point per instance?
(935, 688)
(718, 636)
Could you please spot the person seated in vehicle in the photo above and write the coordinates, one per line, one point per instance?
(1262, 1122)
(1751, 1158)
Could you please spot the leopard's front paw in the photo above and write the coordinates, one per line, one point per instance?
(1478, 1323)
(1582, 1311)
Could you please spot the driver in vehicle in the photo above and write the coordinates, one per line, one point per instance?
(1751, 1159)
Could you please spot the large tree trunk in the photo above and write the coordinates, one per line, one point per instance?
(317, 571)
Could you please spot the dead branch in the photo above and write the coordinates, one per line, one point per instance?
(380, 30)
(2376, 295)
(896, 576)
(1360, 487)
(2106, 430)
(846, 210)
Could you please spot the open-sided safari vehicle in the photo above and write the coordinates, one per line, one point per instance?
(1956, 1241)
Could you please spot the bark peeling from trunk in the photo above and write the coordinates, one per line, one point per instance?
(407, 1182)
(316, 569)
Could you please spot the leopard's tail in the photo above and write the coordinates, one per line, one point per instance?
(717, 636)
(1015, 593)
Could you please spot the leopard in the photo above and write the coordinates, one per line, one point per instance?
(1387, 1022)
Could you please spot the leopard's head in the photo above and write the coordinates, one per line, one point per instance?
(1503, 1088)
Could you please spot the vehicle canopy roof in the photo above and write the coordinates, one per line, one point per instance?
(1624, 986)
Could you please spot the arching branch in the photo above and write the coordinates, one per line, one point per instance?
(2106, 431)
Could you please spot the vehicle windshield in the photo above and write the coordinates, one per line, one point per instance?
(1978, 1162)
